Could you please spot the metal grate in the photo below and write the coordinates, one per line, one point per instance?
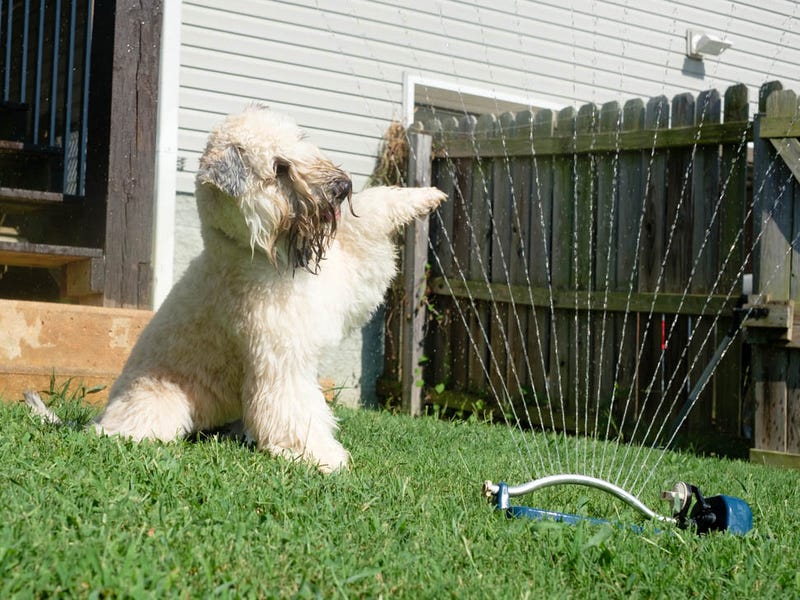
(45, 50)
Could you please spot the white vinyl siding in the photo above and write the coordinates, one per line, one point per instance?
(337, 65)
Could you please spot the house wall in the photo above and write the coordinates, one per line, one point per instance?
(338, 67)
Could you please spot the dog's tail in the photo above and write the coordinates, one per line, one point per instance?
(39, 408)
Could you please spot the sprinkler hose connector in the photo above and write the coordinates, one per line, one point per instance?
(717, 513)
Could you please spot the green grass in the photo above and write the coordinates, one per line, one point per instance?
(85, 516)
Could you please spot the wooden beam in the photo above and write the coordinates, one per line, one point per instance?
(415, 257)
(789, 150)
(26, 254)
(772, 458)
(125, 62)
(29, 198)
(780, 127)
(689, 304)
(458, 145)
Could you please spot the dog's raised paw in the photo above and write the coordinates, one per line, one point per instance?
(427, 199)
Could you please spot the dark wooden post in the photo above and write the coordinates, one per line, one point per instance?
(776, 363)
(415, 257)
(121, 150)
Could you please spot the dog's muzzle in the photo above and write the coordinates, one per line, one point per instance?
(341, 190)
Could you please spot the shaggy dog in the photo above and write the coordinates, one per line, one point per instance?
(284, 274)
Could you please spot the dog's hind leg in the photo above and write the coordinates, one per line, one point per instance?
(148, 409)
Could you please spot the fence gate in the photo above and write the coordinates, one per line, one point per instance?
(545, 262)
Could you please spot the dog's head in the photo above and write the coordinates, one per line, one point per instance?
(262, 184)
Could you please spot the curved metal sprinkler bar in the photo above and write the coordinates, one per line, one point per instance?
(490, 489)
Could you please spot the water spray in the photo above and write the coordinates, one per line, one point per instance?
(715, 513)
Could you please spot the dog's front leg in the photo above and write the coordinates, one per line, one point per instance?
(287, 415)
(382, 210)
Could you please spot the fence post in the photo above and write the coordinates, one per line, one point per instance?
(415, 256)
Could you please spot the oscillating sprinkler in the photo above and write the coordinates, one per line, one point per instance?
(716, 513)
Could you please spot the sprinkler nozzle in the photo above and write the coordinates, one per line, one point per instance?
(680, 496)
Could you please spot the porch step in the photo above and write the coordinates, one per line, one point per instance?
(13, 120)
(30, 167)
(79, 271)
(45, 256)
(20, 200)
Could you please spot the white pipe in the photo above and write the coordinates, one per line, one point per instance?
(600, 484)
(166, 152)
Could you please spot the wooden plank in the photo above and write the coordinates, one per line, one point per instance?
(415, 257)
(678, 247)
(594, 300)
(773, 217)
(582, 347)
(641, 139)
(764, 92)
(478, 231)
(480, 361)
(631, 198)
(770, 365)
(774, 127)
(440, 346)
(605, 267)
(733, 168)
(704, 253)
(26, 254)
(789, 150)
(540, 264)
(30, 197)
(459, 332)
(15, 147)
(651, 256)
(519, 365)
(562, 265)
(771, 458)
(792, 415)
(84, 280)
(782, 118)
(792, 424)
(499, 261)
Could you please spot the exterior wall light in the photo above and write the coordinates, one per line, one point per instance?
(700, 44)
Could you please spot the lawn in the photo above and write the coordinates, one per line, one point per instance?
(86, 516)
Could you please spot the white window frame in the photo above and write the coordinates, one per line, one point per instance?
(474, 99)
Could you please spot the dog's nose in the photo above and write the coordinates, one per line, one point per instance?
(341, 189)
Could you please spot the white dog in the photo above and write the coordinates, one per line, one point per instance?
(284, 274)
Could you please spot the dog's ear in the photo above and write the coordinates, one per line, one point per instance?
(225, 170)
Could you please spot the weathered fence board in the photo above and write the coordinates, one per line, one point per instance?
(776, 368)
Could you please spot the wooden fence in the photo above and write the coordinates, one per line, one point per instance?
(588, 262)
